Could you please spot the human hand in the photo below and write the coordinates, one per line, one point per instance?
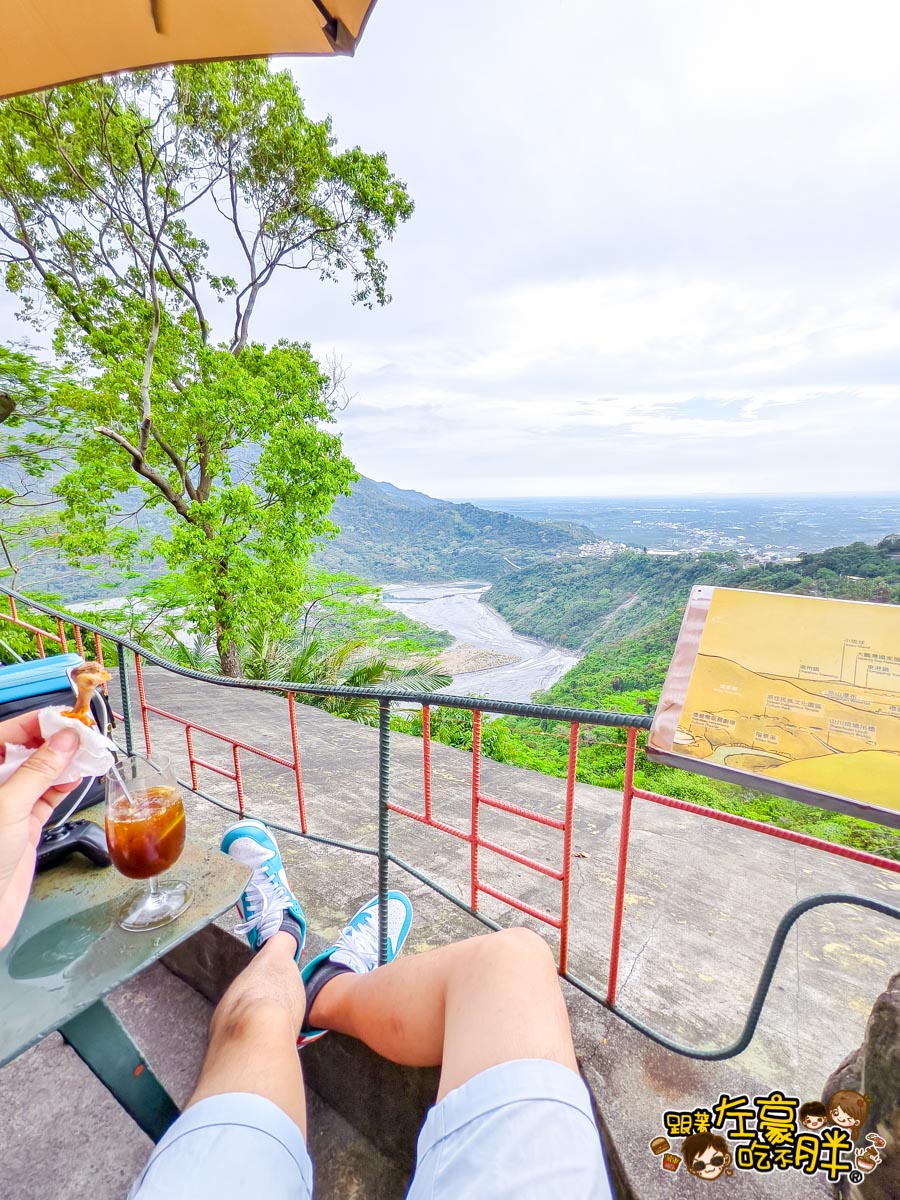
(26, 801)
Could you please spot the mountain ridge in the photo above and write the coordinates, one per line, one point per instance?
(390, 534)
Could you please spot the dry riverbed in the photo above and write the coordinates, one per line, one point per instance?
(494, 661)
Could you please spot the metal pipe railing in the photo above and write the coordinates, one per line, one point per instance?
(385, 698)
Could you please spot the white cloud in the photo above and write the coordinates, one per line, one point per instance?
(654, 247)
(635, 372)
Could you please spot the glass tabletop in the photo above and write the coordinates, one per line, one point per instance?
(69, 951)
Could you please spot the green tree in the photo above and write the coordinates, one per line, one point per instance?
(305, 658)
(34, 440)
(33, 436)
(104, 189)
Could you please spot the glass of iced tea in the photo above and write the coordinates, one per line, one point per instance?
(145, 835)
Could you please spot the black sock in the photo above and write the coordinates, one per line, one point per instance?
(292, 926)
(324, 973)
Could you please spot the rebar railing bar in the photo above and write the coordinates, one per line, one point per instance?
(522, 859)
(765, 980)
(775, 831)
(622, 867)
(426, 758)
(568, 823)
(516, 810)
(14, 619)
(504, 897)
(295, 749)
(139, 675)
(125, 689)
(433, 823)
(476, 797)
(384, 823)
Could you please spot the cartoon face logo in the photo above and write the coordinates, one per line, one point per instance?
(705, 1155)
(813, 1115)
(849, 1110)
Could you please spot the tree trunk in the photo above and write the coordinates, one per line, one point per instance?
(227, 649)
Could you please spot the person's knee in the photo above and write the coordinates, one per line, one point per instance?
(246, 1016)
(524, 950)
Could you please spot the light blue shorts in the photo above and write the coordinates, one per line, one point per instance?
(521, 1131)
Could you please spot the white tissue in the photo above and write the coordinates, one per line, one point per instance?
(93, 756)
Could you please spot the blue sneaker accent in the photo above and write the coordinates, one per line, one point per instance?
(267, 898)
(357, 944)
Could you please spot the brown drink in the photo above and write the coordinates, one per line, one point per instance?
(145, 833)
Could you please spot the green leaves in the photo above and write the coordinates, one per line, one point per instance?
(34, 434)
(104, 188)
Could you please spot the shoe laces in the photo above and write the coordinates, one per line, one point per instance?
(265, 899)
(357, 945)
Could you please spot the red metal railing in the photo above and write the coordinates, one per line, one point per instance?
(473, 836)
(58, 639)
(629, 792)
(236, 744)
(479, 799)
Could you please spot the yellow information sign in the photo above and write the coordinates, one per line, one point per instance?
(787, 694)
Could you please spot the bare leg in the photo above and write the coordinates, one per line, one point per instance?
(466, 1007)
(253, 1034)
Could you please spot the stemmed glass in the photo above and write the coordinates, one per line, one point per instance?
(145, 835)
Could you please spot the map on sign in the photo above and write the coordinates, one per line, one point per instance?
(787, 694)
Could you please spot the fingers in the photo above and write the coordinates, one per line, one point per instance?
(58, 793)
(43, 810)
(37, 774)
(24, 729)
(12, 902)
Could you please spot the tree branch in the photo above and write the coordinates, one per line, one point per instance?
(147, 472)
(176, 460)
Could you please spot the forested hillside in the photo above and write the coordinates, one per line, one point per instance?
(391, 534)
(386, 534)
(576, 602)
(589, 601)
(625, 612)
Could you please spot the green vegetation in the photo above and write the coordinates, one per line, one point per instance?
(588, 601)
(575, 602)
(626, 612)
(227, 440)
(305, 658)
(322, 652)
(390, 534)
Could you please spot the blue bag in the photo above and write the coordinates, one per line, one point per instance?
(37, 678)
(42, 682)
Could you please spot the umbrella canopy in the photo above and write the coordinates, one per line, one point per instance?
(49, 42)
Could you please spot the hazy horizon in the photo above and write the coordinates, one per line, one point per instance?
(649, 495)
(656, 257)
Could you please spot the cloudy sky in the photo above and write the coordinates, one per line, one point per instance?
(655, 247)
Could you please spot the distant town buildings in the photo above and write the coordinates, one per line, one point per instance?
(710, 542)
(602, 549)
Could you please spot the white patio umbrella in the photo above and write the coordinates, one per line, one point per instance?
(48, 42)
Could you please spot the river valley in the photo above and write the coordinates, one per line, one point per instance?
(457, 608)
